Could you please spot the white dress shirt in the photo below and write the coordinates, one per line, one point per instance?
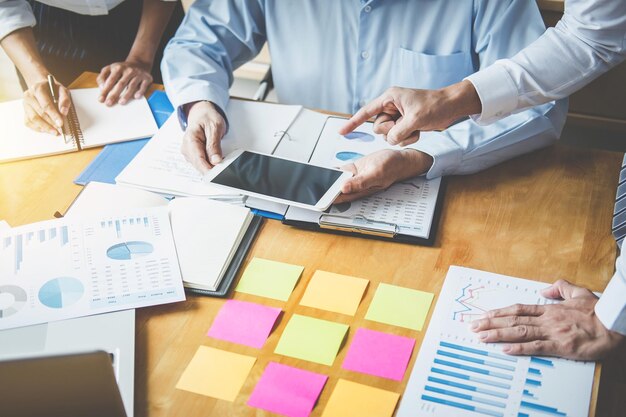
(588, 41)
(17, 14)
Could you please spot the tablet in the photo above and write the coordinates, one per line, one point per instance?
(278, 179)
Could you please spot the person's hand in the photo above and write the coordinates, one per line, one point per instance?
(401, 113)
(569, 329)
(40, 112)
(377, 171)
(121, 82)
(202, 141)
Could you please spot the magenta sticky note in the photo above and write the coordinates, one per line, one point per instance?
(288, 391)
(379, 354)
(245, 323)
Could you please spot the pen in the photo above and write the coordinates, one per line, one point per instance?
(51, 84)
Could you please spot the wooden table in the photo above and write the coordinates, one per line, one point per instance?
(541, 216)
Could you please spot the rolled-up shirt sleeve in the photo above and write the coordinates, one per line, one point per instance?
(14, 15)
(611, 309)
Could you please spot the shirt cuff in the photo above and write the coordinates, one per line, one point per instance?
(215, 94)
(446, 154)
(611, 308)
(12, 20)
(497, 92)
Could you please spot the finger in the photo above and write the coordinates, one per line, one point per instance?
(214, 135)
(45, 105)
(64, 100)
(142, 89)
(503, 322)
(110, 82)
(404, 128)
(104, 74)
(383, 123)
(343, 198)
(536, 347)
(517, 310)
(34, 121)
(194, 151)
(114, 95)
(363, 115)
(130, 90)
(410, 140)
(565, 290)
(521, 333)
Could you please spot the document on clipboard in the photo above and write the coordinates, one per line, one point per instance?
(408, 211)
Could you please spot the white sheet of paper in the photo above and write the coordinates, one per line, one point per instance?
(455, 374)
(161, 167)
(100, 125)
(65, 268)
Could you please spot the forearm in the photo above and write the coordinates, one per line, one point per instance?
(21, 48)
(155, 16)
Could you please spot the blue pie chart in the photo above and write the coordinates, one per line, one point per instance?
(348, 156)
(61, 292)
(129, 250)
(359, 136)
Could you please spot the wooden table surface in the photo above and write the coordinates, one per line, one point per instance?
(541, 216)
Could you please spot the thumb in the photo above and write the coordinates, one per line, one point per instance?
(213, 145)
(563, 289)
(402, 130)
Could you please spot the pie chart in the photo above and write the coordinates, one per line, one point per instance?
(61, 292)
(359, 136)
(348, 156)
(129, 250)
(12, 299)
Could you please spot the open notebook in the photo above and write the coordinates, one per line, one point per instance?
(207, 234)
(99, 125)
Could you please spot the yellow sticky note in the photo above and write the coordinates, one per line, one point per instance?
(269, 279)
(334, 292)
(350, 399)
(400, 306)
(216, 373)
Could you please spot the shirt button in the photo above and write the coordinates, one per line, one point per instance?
(367, 9)
(365, 54)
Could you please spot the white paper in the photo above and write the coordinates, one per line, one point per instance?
(4, 226)
(73, 267)
(207, 235)
(407, 207)
(161, 167)
(503, 385)
(100, 125)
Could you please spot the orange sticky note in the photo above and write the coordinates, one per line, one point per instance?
(350, 399)
(334, 292)
(216, 373)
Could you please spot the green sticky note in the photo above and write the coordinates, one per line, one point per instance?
(269, 279)
(311, 339)
(400, 306)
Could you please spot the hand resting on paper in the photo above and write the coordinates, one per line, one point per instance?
(205, 129)
(379, 170)
(40, 112)
(570, 329)
(122, 82)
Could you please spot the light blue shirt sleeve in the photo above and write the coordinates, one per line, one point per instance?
(501, 29)
(14, 15)
(214, 39)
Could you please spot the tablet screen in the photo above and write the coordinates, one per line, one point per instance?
(278, 178)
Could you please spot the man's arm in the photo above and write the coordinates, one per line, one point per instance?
(120, 82)
(216, 37)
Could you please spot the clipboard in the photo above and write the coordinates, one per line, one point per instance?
(361, 226)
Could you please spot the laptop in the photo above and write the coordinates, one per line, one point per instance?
(113, 333)
(76, 385)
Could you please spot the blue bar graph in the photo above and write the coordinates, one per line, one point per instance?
(53, 233)
(522, 415)
(7, 242)
(476, 360)
(485, 381)
(42, 236)
(541, 361)
(542, 408)
(527, 393)
(145, 221)
(467, 397)
(467, 387)
(534, 371)
(462, 406)
(132, 222)
(19, 254)
(474, 369)
(478, 351)
(118, 228)
(64, 236)
(532, 382)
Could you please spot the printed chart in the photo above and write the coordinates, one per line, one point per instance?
(455, 374)
(68, 268)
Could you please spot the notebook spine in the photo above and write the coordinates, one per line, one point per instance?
(72, 128)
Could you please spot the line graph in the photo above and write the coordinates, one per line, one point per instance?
(469, 303)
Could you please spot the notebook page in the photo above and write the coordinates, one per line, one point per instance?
(102, 125)
(19, 142)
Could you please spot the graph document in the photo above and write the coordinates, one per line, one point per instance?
(65, 268)
(455, 375)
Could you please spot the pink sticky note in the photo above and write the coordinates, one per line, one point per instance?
(288, 391)
(379, 354)
(245, 323)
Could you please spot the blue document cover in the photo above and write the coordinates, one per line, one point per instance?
(114, 158)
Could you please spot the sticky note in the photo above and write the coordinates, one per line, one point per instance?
(245, 323)
(311, 339)
(334, 292)
(350, 399)
(216, 373)
(288, 391)
(269, 279)
(400, 306)
(379, 354)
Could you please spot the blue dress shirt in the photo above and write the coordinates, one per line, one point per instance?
(339, 54)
